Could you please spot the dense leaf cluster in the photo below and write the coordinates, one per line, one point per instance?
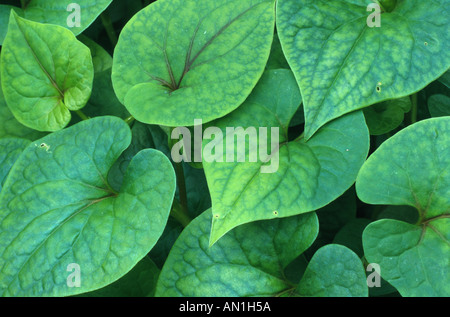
(359, 204)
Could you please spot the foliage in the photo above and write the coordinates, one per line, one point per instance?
(95, 200)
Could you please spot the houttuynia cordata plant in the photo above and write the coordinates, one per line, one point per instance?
(203, 148)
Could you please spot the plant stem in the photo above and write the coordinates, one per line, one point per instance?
(82, 115)
(129, 120)
(180, 179)
(181, 186)
(23, 3)
(107, 23)
(178, 214)
(414, 108)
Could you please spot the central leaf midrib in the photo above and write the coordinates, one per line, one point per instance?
(189, 62)
(321, 104)
(50, 78)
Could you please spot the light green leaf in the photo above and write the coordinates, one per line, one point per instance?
(10, 127)
(5, 11)
(249, 261)
(59, 12)
(139, 282)
(310, 173)
(78, 217)
(411, 168)
(439, 105)
(385, 116)
(334, 271)
(180, 60)
(413, 258)
(10, 150)
(46, 72)
(341, 64)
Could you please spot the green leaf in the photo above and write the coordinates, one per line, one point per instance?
(407, 214)
(10, 127)
(180, 60)
(334, 271)
(332, 218)
(46, 72)
(350, 235)
(103, 100)
(139, 282)
(276, 58)
(413, 258)
(5, 11)
(387, 5)
(294, 271)
(341, 64)
(161, 250)
(439, 105)
(78, 217)
(385, 116)
(143, 137)
(58, 12)
(10, 150)
(411, 168)
(249, 261)
(445, 79)
(100, 57)
(310, 174)
(197, 190)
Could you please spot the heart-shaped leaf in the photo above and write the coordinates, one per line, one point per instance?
(249, 261)
(411, 168)
(10, 149)
(66, 13)
(10, 127)
(343, 63)
(46, 72)
(310, 174)
(334, 271)
(413, 258)
(180, 60)
(78, 219)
